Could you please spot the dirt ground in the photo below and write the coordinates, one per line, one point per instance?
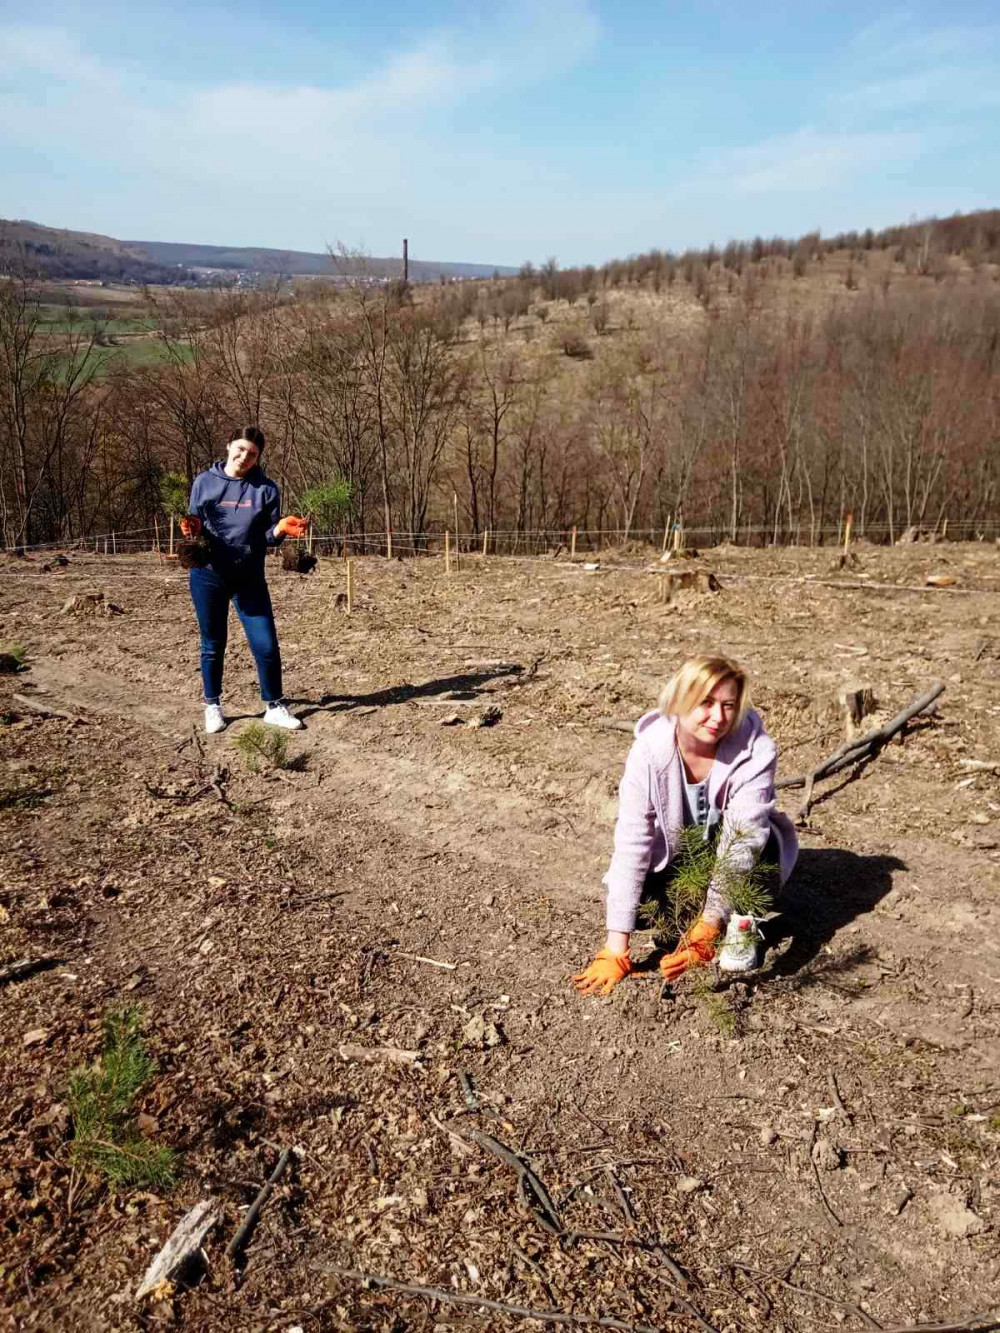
(817, 1147)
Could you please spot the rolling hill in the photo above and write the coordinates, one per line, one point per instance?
(58, 253)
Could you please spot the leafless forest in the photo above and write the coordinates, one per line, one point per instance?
(761, 391)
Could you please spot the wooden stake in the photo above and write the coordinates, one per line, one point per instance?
(454, 505)
(486, 540)
(114, 544)
(847, 531)
(171, 536)
(666, 533)
(388, 543)
(309, 537)
(572, 543)
(944, 531)
(447, 551)
(156, 527)
(350, 586)
(105, 545)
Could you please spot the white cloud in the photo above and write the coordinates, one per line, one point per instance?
(808, 160)
(57, 97)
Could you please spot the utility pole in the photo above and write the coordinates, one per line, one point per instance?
(406, 260)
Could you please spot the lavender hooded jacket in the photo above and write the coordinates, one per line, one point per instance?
(651, 809)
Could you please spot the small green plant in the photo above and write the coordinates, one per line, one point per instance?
(12, 658)
(262, 749)
(994, 1123)
(699, 863)
(174, 494)
(25, 795)
(106, 1141)
(327, 502)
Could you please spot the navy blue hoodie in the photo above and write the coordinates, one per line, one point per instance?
(238, 515)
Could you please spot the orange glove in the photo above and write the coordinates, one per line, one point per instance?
(291, 527)
(190, 526)
(604, 973)
(696, 948)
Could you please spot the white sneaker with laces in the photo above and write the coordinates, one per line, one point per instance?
(739, 949)
(277, 715)
(214, 721)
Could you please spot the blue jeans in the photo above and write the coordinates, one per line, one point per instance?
(211, 594)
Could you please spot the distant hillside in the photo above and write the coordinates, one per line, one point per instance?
(55, 253)
(303, 263)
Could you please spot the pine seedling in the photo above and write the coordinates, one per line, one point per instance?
(106, 1141)
(262, 749)
(697, 864)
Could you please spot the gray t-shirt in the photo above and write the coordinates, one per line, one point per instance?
(698, 811)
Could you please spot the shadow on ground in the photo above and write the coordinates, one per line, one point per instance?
(465, 687)
(829, 889)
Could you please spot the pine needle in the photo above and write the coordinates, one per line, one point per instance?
(262, 749)
(106, 1142)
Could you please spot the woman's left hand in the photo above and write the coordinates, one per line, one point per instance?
(291, 526)
(696, 948)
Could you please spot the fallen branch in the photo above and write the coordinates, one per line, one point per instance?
(860, 748)
(461, 1298)
(982, 1322)
(420, 958)
(241, 1237)
(24, 967)
(542, 1206)
(831, 1079)
(614, 724)
(980, 765)
(889, 587)
(185, 1242)
(24, 702)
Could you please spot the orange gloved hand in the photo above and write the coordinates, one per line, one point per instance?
(191, 526)
(604, 973)
(291, 526)
(696, 948)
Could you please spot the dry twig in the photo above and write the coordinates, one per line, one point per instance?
(253, 1212)
(461, 1298)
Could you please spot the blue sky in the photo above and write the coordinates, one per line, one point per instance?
(495, 132)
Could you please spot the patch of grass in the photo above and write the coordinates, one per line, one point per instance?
(994, 1123)
(24, 796)
(262, 748)
(106, 1141)
(12, 657)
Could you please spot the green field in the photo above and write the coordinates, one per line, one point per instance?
(72, 319)
(136, 353)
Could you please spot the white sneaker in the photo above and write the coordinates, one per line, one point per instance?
(739, 949)
(214, 721)
(277, 715)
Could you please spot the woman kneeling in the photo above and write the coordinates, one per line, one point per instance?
(702, 760)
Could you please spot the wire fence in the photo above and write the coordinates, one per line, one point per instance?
(537, 541)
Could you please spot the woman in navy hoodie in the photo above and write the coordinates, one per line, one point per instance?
(236, 507)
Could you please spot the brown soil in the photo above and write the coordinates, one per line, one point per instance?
(816, 1147)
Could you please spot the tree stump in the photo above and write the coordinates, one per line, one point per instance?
(856, 702)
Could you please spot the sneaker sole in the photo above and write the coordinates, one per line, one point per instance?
(751, 965)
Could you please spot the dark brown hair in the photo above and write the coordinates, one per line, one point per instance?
(253, 435)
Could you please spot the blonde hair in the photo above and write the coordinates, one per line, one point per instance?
(696, 680)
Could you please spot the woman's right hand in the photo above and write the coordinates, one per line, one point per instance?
(604, 973)
(191, 526)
